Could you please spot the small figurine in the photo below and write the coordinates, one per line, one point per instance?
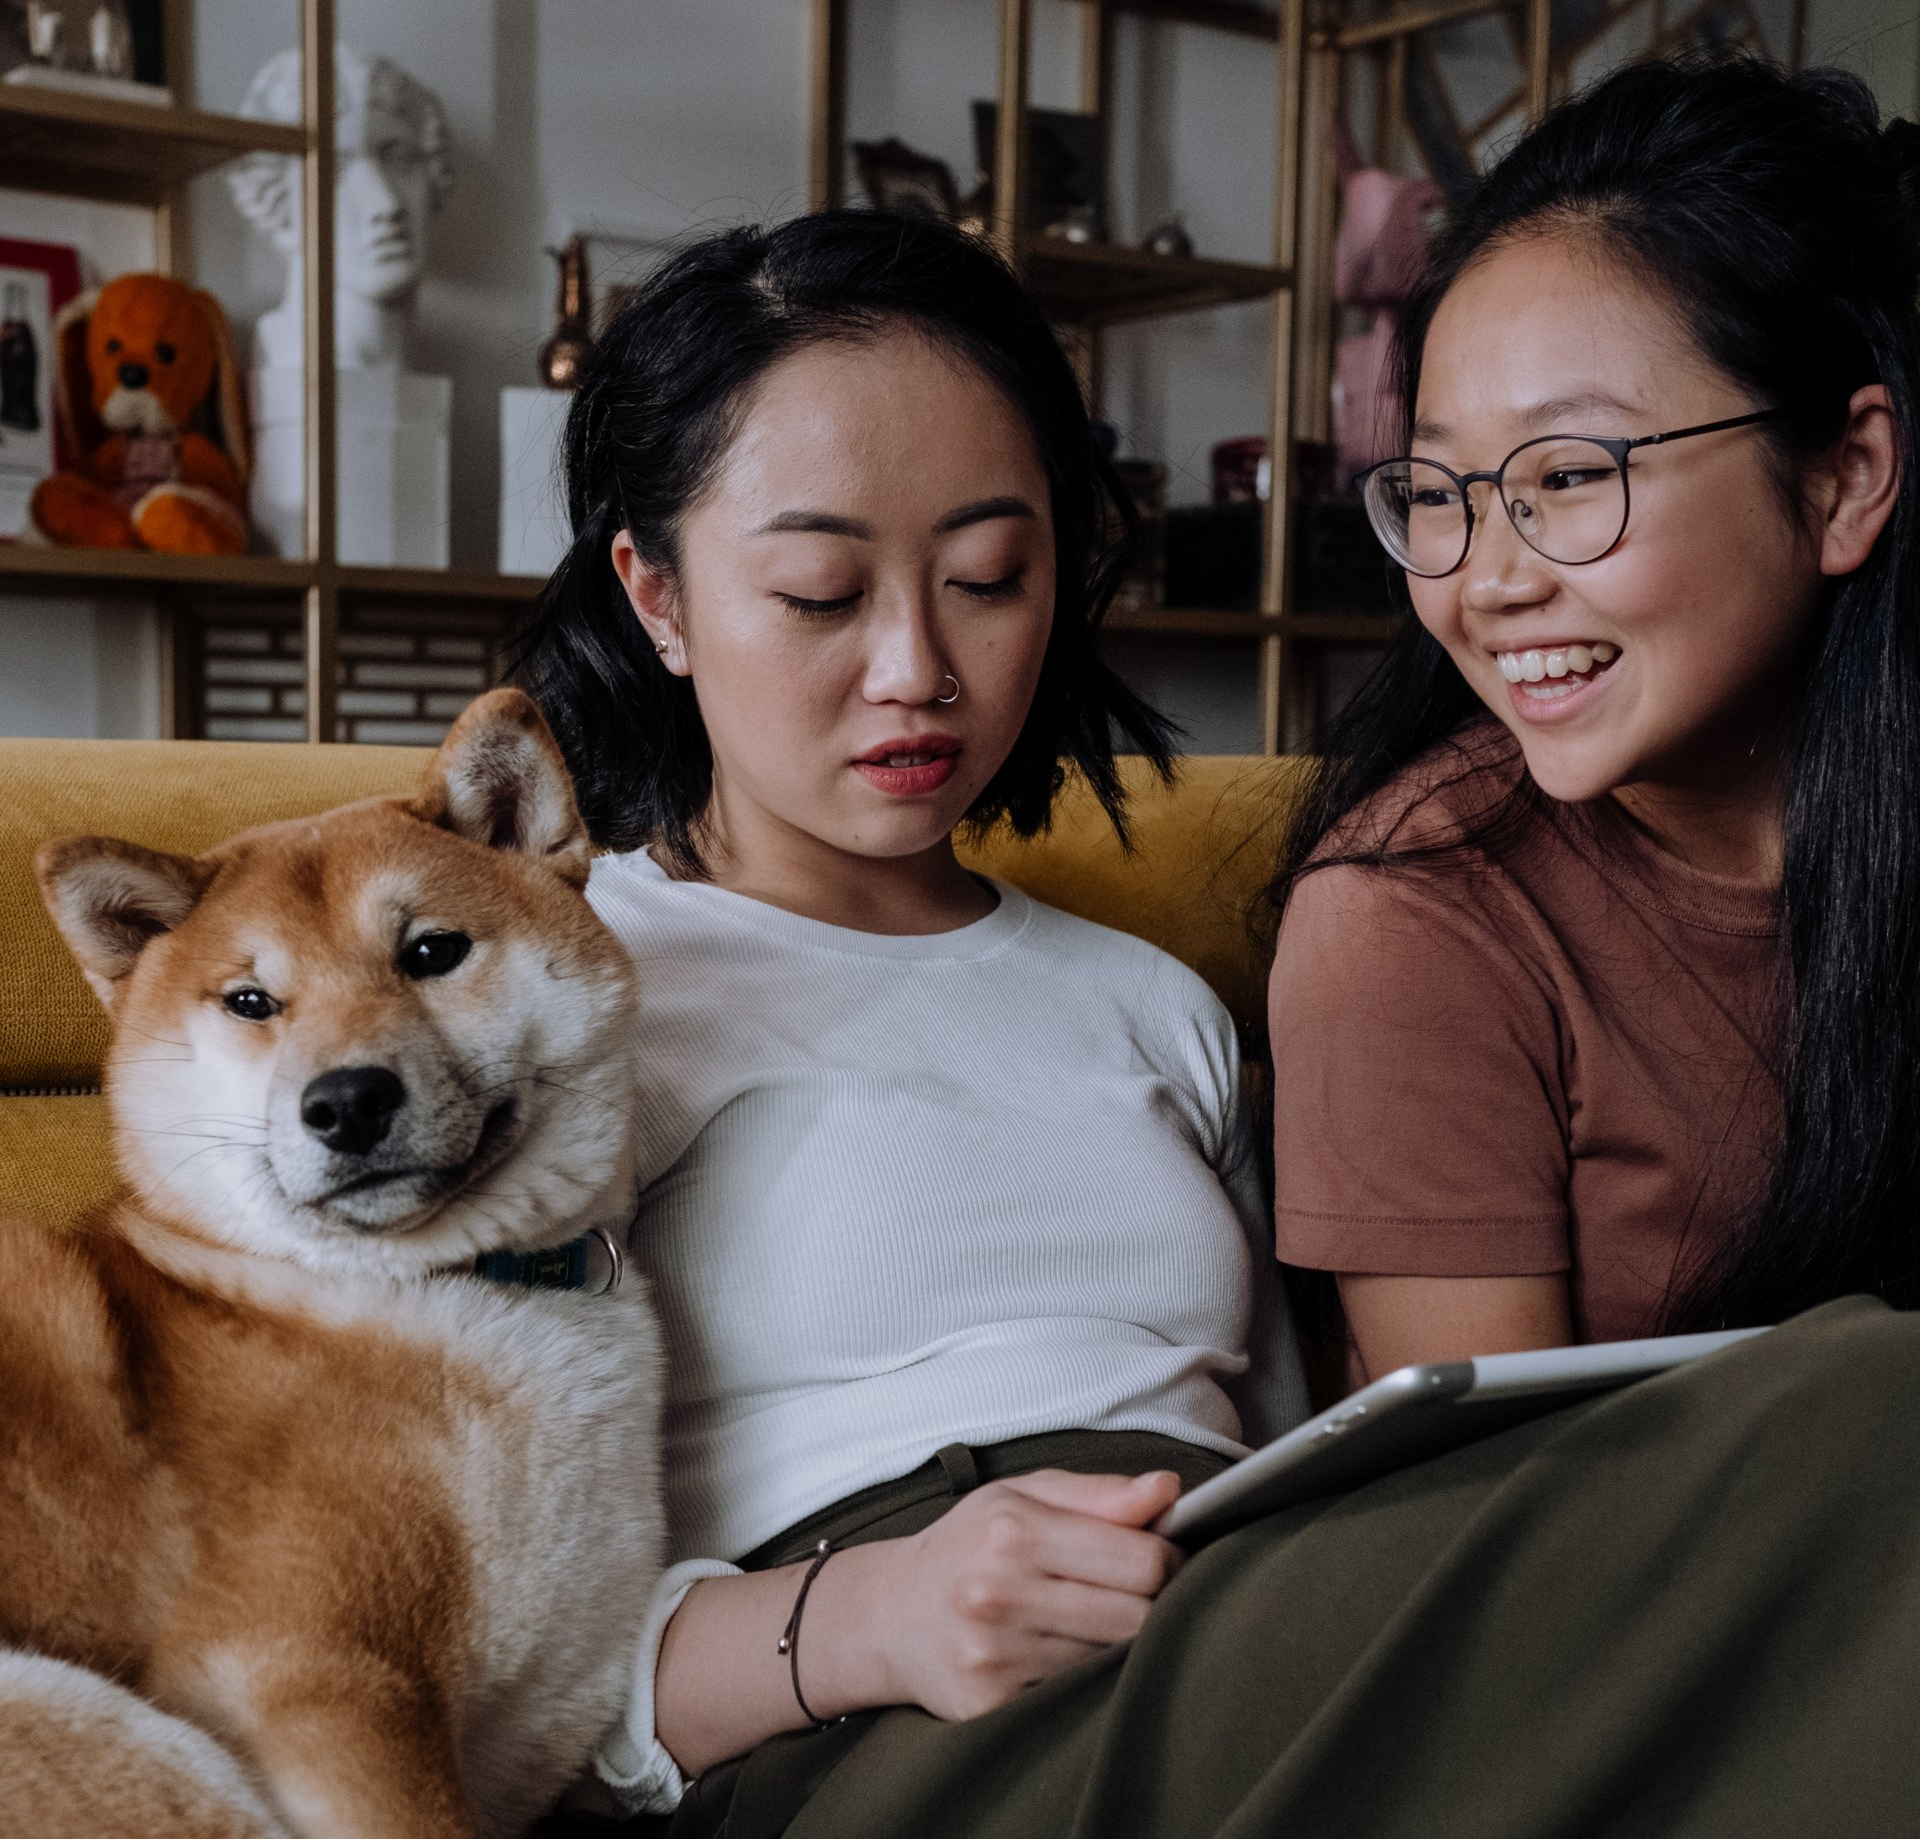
(1169, 238)
(147, 393)
(570, 344)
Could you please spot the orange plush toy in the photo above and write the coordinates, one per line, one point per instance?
(147, 397)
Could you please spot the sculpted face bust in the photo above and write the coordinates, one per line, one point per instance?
(393, 169)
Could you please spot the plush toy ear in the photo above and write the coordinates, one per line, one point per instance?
(230, 400)
(499, 779)
(77, 427)
(111, 900)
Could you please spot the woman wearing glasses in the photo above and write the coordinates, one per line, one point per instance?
(1596, 1006)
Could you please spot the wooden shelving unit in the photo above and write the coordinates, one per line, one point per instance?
(88, 147)
(80, 146)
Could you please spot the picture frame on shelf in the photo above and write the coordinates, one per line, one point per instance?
(897, 177)
(36, 281)
(1066, 169)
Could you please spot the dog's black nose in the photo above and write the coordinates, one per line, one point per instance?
(134, 376)
(351, 1109)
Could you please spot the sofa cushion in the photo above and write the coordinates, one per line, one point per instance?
(56, 1155)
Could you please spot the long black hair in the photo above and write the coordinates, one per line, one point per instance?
(649, 425)
(1782, 224)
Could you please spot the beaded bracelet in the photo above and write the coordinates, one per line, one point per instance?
(789, 1642)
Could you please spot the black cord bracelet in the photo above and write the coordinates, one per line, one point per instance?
(789, 1642)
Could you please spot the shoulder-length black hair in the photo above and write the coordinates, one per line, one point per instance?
(649, 425)
(1782, 224)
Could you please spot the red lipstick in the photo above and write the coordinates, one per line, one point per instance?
(910, 766)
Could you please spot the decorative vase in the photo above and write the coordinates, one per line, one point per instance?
(564, 355)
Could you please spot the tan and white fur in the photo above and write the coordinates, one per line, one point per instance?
(301, 1530)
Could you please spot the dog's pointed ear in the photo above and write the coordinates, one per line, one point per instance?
(499, 779)
(111, 900)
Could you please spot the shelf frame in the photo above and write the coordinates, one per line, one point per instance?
(320, 601)
(77, 145)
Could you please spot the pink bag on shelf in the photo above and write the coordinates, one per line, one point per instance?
(1381, 248)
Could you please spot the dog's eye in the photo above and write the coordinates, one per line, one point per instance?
(250, 1005)
(164, 352)
(113, 345)
(433, 954)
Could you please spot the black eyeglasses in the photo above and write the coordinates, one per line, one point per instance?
(1565, 493)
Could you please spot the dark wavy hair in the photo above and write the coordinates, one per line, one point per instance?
(649, 425)
(1782, 223)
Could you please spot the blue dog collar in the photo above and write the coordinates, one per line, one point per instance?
(592, 1262)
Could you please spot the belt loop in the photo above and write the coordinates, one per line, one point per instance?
(962, 1473)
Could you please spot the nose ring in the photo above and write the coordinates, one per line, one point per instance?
(955, 697)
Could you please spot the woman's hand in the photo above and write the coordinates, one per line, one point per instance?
(1019, 1580)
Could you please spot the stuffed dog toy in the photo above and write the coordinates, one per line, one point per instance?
(309, 1527)
(147, 397)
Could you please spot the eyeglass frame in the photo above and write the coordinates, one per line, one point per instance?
(1616, 445)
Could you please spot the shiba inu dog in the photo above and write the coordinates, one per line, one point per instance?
(305, 1528)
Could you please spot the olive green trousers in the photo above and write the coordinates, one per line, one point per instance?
(1689, 1607)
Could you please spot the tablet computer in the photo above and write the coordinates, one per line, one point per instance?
(1418, 1412)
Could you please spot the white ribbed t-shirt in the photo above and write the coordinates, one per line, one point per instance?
(901, 1192)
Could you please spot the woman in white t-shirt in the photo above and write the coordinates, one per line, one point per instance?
(948, 1202)
(925, 1163)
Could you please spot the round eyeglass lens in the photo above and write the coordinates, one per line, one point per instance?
(1567, 497)
(1419, 515)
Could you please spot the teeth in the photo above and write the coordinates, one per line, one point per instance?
(1568, 661)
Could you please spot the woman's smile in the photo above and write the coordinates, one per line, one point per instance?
(1555, 683)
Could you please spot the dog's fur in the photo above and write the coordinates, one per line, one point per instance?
(386, 1533)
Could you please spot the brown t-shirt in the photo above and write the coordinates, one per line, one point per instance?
(1556, 1053)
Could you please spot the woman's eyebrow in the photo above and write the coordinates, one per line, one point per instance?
(1558, 408)
(1543, 415)
(982, 512)
(830, 523)
(821, 523)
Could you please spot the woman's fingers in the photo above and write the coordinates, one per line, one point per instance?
(1127, 1500)
(1087, 1614)
(1028, 1534)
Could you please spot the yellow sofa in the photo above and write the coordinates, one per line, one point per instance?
(1201, 853)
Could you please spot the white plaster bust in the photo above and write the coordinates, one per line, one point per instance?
(392, 171)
